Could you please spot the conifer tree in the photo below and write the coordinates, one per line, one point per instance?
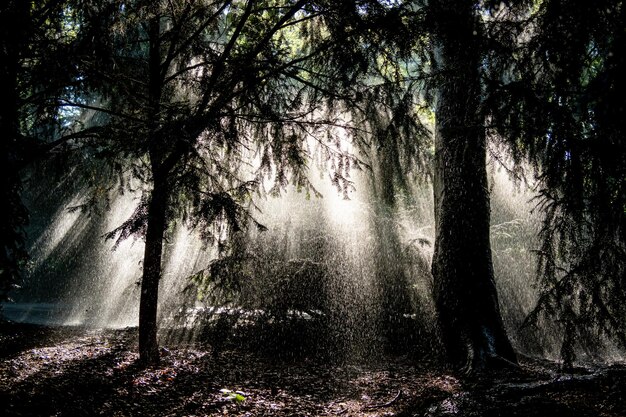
(194, 91)
(556, 103)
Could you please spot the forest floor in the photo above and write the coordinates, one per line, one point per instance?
(80, 372)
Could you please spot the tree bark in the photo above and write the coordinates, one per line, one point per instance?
(464, 288)
(157, 208)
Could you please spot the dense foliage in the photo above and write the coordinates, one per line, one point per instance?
(555, 104)
(202, 106)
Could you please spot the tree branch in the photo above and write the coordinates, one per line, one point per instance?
(100, 109)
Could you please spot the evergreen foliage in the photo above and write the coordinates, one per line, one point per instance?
(556, 102)
(201, 106)
(207, 104)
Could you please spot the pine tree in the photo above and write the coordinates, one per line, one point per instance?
(193, 92)
(557, 103)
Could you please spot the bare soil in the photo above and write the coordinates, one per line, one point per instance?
(79, 372)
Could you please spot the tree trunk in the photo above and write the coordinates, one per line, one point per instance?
(157, 209)
(148, 346)
(464, 288)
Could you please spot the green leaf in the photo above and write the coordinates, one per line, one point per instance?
(236, 396)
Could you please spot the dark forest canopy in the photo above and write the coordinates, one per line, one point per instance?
(201, 104)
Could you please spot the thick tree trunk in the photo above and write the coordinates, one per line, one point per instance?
(464, 288)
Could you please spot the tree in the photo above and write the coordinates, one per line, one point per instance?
(558, 107)
(464, 288)
(195, 90)
(434, 53)
(540, 78)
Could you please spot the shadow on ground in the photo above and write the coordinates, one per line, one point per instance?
(77, 372)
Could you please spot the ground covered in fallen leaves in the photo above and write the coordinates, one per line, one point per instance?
(80, 372)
